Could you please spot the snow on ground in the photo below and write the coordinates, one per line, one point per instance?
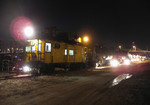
(77, 88)
(21, 88)
(24, 85)
(134, 91)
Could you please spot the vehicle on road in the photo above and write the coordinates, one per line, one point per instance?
(115, 60)
(120, 60)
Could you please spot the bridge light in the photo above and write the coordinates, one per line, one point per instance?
(134, 47)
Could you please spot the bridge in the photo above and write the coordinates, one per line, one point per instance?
(139, 52)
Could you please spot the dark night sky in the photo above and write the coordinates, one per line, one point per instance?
(110, 23)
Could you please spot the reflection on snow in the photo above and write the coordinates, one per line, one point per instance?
(119, 78)
(102, 67)
(24, 75)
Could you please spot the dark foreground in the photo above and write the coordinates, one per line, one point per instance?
(80, 88)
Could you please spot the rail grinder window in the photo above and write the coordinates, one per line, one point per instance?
(71, 52)
(28, 48)
(33, 48)
(48, 47)
(40, 47)
(65, 51)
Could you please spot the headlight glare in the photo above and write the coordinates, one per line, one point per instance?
(26, 69)
(114, 62)
(127, 62)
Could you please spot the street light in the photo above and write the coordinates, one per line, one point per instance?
(120, 47)
(85, 39)
(28, 31)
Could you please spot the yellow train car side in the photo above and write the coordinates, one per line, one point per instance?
(54, 53)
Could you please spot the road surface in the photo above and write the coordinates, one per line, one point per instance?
(96, 87)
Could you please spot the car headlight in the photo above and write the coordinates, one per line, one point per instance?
(26, 69)
(114, 62)
(126, 62)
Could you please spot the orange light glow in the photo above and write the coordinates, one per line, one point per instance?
(85, 39)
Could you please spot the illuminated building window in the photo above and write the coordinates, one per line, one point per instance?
(48, 47)
(33, 48)
(65, 51)
(71, 52)
(40, 47)
(28, 48)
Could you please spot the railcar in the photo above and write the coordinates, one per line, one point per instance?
(43, 56)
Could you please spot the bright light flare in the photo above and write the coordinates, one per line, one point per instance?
(28, 31)
(127, 62)
(85, 39)
(26, 69)
(114, 63)
(21, 28)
